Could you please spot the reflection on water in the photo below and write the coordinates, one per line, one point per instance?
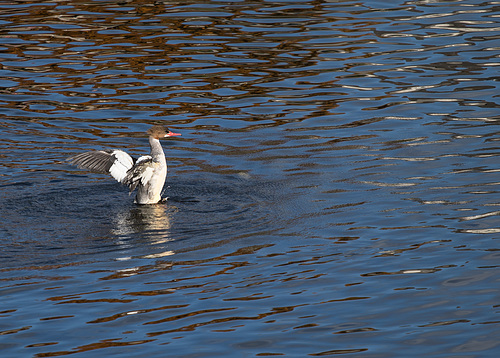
(334, 191)
(150, 220)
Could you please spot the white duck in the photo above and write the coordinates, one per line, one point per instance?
(147, 174)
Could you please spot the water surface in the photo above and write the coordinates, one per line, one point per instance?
(334, 191)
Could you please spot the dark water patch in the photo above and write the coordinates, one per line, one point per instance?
(98, 217)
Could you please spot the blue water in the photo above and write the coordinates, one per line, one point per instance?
(334, 191)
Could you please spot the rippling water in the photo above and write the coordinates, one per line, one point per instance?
(334, 191)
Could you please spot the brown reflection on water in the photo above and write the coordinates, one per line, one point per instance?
(98, 57)
(105, 343)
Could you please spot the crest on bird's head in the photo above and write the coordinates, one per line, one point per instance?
(158, 131)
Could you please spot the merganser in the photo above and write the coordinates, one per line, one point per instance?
(147, 174)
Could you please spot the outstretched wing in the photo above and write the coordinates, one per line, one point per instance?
(114, 162)
(140, 173)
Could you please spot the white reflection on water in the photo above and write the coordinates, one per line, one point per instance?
(152, 222)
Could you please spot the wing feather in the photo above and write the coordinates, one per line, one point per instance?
(114, 162)
(140, 173)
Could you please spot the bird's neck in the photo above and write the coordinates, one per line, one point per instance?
(156, 150)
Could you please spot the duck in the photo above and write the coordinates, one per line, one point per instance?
(147, 174)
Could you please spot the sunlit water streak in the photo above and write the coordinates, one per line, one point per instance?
(334, 191)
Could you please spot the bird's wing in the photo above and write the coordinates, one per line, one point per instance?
(141, 172)
(114, 162)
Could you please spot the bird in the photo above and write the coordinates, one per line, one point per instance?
(147, 173)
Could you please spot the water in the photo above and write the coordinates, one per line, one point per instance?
(334, 191)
